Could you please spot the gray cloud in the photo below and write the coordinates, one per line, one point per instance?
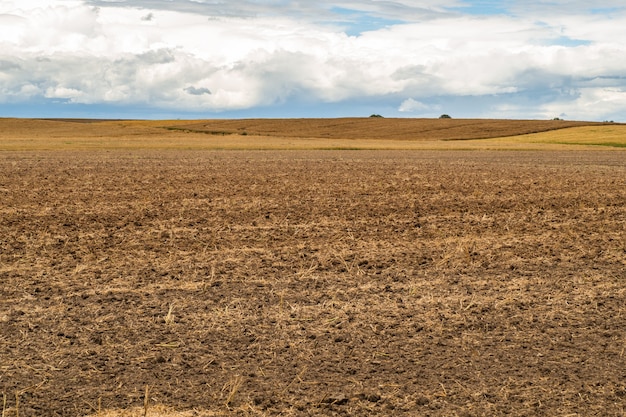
(7, 66)
(232, 8)
(197, 91)
(160, 56)
(321, 10)
(340, 10)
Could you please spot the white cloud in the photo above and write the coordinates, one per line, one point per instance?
(191, 55)
(71, 94)
(413, 106)
(590, 104)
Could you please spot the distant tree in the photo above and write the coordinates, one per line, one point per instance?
(557, 118)
(445, 116)
(376, 115)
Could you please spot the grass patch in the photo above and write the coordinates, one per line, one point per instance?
(607, 135)
(609, 144)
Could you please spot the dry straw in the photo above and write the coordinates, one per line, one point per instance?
(232, 387)
(169, 318)
(146, 401)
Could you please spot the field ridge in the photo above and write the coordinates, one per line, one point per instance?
(382, 128)
(322, 134)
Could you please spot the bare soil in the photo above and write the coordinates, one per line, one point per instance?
(381, 128)
(302, 283)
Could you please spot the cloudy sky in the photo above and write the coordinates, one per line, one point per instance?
(534, 59)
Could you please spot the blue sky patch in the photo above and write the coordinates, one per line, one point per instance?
(356, 22)
(482, 7)
(568, 42)
(607, 11)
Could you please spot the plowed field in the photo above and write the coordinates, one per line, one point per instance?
(303, 283)
(381, 128)
(298, 134)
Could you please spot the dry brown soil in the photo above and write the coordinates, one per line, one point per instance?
(303, 283)
(380, 128)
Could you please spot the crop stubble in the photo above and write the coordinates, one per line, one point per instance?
(313, 282)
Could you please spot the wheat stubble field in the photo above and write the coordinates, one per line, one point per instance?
(145, 272)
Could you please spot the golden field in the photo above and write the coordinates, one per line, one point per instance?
(346, 133)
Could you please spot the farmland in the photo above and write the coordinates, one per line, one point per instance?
(299, 134)
(145, 268)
